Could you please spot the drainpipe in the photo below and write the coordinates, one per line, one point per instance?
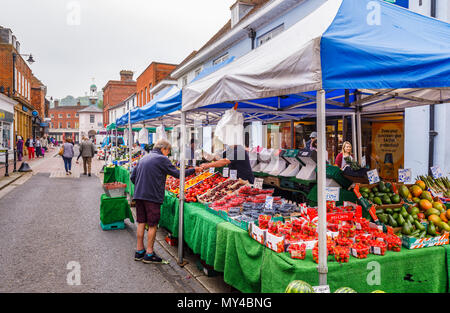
(14, 75)
(252, 35)
(433, 133)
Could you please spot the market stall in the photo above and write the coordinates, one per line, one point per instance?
(322, 65)
(335, 48)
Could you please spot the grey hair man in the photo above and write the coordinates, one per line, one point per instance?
(149, 177)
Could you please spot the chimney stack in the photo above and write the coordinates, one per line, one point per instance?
(56, 103)
(126, 75)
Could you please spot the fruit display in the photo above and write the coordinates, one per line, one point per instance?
(342, 254)
(202, 187)
(381, 194)
(173, 184)
(378, 247)
(360, 250)
(345, 290)
(436, 185)
(297, 251)
(222, 189)
(299, 286)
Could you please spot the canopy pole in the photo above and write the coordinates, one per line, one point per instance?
(181, 192)
(321, 183)
(354, 141)
(358, 118)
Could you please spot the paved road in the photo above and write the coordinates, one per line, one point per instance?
(46, 223)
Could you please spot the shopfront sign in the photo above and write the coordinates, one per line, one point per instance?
(24, 108)
(6, 116)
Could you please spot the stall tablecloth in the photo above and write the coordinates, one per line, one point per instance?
(114, 209)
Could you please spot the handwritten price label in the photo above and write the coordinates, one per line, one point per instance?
(226, 172)
(373, 176)
(233, 174)
(404, 175)
(436, 171)
(258, 183)
(332, 193)
(269, 203)
(212, 169)
(322, 289)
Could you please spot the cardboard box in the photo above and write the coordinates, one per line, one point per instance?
(275, 243)
(414, 243)
(257, 233)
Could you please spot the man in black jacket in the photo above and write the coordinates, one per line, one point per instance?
(149, 177)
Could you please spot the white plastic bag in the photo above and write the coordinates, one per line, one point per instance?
(160, 133)
(143, 136)
(230, 128)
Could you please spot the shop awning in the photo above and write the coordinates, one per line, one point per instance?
(395, 57)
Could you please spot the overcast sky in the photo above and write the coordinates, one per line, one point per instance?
(75, 41)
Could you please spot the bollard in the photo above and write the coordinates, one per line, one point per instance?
(6, 163)
(15, 160)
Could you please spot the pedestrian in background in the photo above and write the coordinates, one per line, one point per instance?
(87, 152)
(44, 143)
(149, 177)
(30, 147)
(68, 155)
(19, 147)
(38, 147)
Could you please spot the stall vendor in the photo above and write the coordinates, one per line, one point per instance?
(237, 158)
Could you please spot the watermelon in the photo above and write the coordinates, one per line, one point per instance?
(378, 291)
(345, 290)
(299, 286)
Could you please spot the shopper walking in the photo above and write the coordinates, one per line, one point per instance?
(87, 152)
(30, 147)
(68, 155)
(44, 143)
(38, 147)
(149, 177)
(19, 148)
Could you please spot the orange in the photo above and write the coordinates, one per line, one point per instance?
(421, 184)
(443, 217)
(416, 191)
(425, 204)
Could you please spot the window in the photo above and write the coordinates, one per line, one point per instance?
(221, 59)
(76, 124)
(271, 34)
(68, 115)
(68, 124)
(60, 124)
(60, 115)
(123, 111)
(92, 118)
(76, 115)
(53, 115)
(420, 3)
(145, 96)
(142, 96)
(184, 81)
(198, 71)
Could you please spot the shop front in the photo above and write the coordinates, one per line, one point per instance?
(6, 126)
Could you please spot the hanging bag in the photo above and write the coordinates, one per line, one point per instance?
(61, 150)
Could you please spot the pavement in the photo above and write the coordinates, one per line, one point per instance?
(50, 232)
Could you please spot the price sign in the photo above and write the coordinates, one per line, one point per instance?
(436, 171)
(258, 183)
(404, 175)
(322, 289)
(233, 174)
(269, 203)
(332, 193)
(226, 172)
(212, 169)
(373, 176)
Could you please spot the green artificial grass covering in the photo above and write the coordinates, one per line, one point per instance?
(336, 173)
(344, 195)
(200, 226)
(109, 175)
(114, 209)
(123, 176)
(239, 257)
(408, 271)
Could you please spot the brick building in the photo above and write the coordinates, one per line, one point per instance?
(115, 91)
(149, 78)
(18, 82)
(65, 121)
